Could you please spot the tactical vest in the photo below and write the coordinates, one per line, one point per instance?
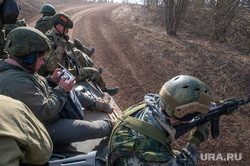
(151, 133)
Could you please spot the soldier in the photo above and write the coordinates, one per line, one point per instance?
(62, 23)
(23, 138)
(27, 48)
(143, 134)
(12, 7)
(8, 14)
(44, 23)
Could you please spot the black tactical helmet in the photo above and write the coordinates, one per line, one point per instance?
(185, 97)
(23, 41)
(63, 19)
(48, 10)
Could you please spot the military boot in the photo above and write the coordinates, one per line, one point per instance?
(112, 91)
(78, 44)
(100, 70)
(104, 105)
(91, 51)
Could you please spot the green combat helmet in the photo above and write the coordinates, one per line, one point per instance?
(47, 10)
(185, 97)
(23, 41)
(63, 19)
(25, 45)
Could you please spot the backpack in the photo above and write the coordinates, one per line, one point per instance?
(73, 108)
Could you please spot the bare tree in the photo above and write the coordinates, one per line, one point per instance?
(199, 2)
(239, 33)
(224, 13)
(174, 13)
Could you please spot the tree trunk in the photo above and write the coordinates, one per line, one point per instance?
(174, 13)
(224, 13)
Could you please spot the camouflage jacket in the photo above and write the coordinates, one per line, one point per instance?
(127, 146)
(54, 56)
(44, 24)
(33, 90)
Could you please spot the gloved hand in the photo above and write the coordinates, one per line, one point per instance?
(199, 134)
(66, 37)
(61, 43)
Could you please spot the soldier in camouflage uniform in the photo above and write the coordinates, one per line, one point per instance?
(19, 79)
(5, 29)
(45, 22)
(58, 54)
(143, 133)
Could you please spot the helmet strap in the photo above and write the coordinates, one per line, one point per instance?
(61, 34)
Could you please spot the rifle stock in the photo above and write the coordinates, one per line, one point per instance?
(213, 115)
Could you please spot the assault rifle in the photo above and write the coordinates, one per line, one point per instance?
(72, 59)
(74, 62)
(213, 115)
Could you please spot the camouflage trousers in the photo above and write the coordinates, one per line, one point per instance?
(90, 73)
(82, 58)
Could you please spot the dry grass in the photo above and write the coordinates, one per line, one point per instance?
(224, 69)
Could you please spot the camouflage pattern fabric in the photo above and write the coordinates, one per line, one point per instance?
(23, 41)
(129, 147)
(78, 44)
(90, 73)
(81, 54)
(81, 57)
(44, 24)
(57, 55)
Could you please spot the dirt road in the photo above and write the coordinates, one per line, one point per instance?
(114, 52)
(140, 62)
